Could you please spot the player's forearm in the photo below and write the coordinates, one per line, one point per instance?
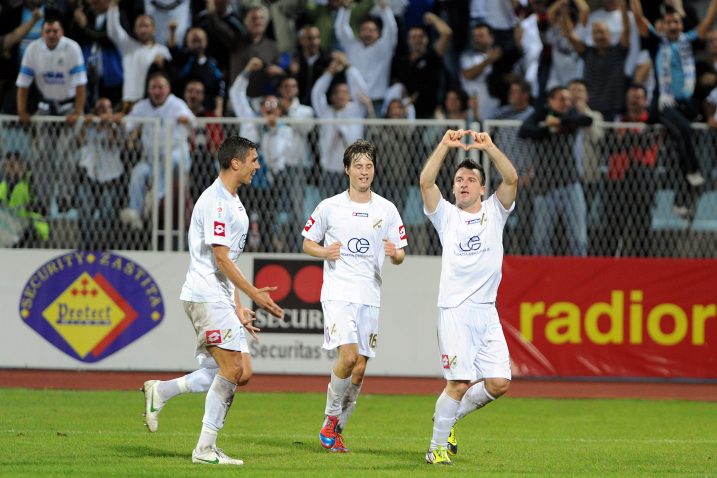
(399, 257)
(501, 162)
(314, 249)
(232, 272)
(433, 167)
(22, 100)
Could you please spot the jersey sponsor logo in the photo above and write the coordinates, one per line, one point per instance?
(471, 245)
(358, 245)
(480, 221)
(54, 77)
(359, 214)
(448, 362)
(219, 229)
(212, 337)
(90, 304)
(402, 232)
(309, 224)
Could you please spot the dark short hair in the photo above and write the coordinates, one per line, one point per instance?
(159, 74)
(462, 97)
(359, 148)
(470, 164)
(637, 86)
(375, 20)
(554, 90)
(483, 25)
(53, 17)
(578, 81)
(234, 147)
(522, 84)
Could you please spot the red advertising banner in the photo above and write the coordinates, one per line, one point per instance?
(599, 317)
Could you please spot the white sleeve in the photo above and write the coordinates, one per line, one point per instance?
(356, 83)
(315, 227)
(390, 29)
(238, 98)
(215, 223)
(342, 28)
(438, 217)
(27, 69)
(78, 71)
(318, 96)
(116, 33)
(396, 229)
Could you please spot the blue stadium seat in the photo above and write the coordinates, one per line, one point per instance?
(705, 219)
(663, 218)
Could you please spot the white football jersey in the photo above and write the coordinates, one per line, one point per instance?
(218, 218)
(361, 229)
(472, 251)
(57, 72)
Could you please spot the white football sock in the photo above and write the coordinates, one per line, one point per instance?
(348, 404)
(216, 407)
(443, 419)
(198, 381)
(335, 393)
(476, 397)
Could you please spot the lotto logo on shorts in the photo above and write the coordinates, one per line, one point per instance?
(213, 337)
(402, 232)
(219, 229)
(448, 362)
(309, 224)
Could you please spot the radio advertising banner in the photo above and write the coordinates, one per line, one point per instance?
(593, 317)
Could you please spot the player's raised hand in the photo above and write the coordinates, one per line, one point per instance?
(481, 141)
(262, 298)
(453, 138)
(246, 317)
(333, 252)
(389, 248)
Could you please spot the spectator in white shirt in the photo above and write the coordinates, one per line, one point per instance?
(476, 66)
(56, 66)
(346, 100)
(276, 142)
(173, 114)
(372, 51)
(138, 55)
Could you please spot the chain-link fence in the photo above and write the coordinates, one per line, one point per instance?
(610, 190)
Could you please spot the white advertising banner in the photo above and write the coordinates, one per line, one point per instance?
(121, 311)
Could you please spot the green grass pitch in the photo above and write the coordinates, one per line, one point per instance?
(99, 434)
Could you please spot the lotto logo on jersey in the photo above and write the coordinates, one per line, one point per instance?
(213, 337)
(402, 232)
(309, 224)
(448, 362)
(219, 229)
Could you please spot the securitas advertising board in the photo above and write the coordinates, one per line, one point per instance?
(298, 292)
(91, 304)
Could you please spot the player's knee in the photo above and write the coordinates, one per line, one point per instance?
(349, 359)
(497, 386)
(233, 371)
(245, 377)
(359, 371)
(456, 390)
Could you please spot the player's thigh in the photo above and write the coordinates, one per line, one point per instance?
(455, 346)
(367, 329)
(493, 358)
(216, 324)
(340, 323)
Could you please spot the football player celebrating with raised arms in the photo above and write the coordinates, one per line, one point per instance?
(359, 229)
(473, 351)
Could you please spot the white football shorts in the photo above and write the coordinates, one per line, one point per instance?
(349, 323)
(216, 324)
(471, 343)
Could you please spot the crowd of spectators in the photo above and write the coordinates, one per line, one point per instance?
(561, 66)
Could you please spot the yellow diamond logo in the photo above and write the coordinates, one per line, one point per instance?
(89, 314)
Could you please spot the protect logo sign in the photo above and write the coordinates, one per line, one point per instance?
(91, 304)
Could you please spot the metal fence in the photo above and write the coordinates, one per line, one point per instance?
(92, 184)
